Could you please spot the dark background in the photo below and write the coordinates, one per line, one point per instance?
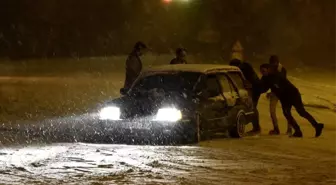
(302, 29)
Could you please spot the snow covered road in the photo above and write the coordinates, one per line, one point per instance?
(252, 160)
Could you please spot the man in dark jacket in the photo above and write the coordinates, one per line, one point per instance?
(289, 97)
(252, 77)
(181, 54)
(278, 68)
(133, 66)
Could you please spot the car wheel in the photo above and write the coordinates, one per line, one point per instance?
(238, 130)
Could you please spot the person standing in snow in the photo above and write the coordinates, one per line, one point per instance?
(133, 66)
(181, 54)
(252, 77)
(289, 97)
(278, 68)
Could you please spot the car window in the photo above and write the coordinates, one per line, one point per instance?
(179, 82)
(212, 86)
(225, 83)
(228, 89)
(238, 79)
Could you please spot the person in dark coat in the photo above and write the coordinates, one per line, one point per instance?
(133, 66)
(181, 54)
(289, 97)
(278, 68)
(252, 77)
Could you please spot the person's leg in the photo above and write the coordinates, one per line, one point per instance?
(255, 97)
(289, 126)
(286, 108)
(273, 104)
(297, 102)
(289, 129)
(255, 122)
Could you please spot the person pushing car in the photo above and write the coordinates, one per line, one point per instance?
(276, 67)
(289, 97)
(252, 77)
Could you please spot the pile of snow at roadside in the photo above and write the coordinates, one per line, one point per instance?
(316, 95)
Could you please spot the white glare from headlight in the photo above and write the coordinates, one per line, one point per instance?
(110, 113)
(168, 114)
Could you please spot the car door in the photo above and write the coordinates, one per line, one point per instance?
(230, 95)
(212, 103)
(243, 93)
(228, 90)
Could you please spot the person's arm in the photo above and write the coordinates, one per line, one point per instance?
(264, 86)
(250, 73)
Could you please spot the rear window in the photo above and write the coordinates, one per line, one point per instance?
(225, 83)
(181, 82)
(237, 79)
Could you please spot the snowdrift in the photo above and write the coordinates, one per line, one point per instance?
(316, 95)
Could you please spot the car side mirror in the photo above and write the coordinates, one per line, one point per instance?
(198, 96)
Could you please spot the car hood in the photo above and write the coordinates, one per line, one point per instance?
(149, 104)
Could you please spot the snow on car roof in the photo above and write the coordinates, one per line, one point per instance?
(200, 68)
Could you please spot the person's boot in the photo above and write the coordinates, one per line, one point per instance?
(297, 133)
(256, 128)
(318, 129)
(275, 131)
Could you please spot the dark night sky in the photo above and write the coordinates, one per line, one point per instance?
(63, 28)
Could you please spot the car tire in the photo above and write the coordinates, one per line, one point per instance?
(240, 121)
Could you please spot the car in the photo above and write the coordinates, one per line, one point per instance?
(183, 102)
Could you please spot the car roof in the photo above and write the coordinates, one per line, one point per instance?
(198, 68)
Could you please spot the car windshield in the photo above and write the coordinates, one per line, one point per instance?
(170, 82)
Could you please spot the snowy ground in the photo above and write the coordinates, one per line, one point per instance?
(252, 160)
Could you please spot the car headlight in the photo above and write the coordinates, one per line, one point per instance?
(168, 114)
(110, 113)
